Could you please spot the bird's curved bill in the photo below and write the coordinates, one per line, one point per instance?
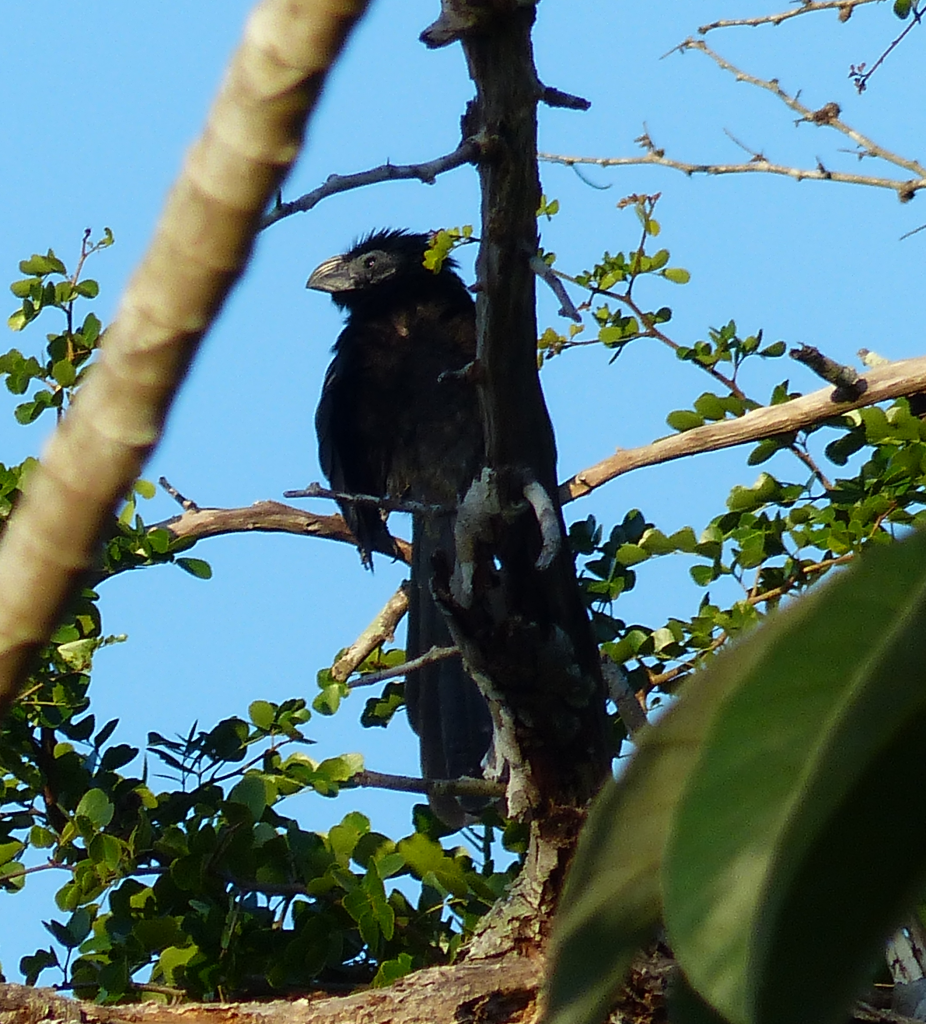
(331, 276)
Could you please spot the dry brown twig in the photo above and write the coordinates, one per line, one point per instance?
(827, 115)
(844, 8)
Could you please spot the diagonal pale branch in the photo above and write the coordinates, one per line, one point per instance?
(201, 244)
(906, 377)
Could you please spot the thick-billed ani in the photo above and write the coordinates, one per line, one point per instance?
(393, 422)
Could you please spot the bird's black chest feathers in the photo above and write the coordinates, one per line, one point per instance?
(398, 410)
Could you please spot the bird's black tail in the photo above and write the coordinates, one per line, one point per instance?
(445, 707)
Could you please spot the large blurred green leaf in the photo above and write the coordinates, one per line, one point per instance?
(800, 839)
(777, 810)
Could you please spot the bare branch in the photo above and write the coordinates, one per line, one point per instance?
(827, 115)
(557, 98)
(315, 490)
(547, 274)
(905, 189)
(201, 245)
(381, 630)
(430, 787)
(906, 377)
(844, 7)
(632, 713)
(428, 658)
(187, 504)
(261, 517)
(468, 152)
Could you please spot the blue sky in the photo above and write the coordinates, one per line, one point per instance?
(100, 101)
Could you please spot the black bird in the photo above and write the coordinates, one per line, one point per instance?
(393, 422)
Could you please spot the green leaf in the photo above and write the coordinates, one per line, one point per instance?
(902, 8)
(145, 488)
(631, 554)
(262, 713)
(95, 806)
(791, 804)
(677, 275)
(703, 575)
(611, 904)
(88, 288)
(391, 970)
(196, 567)
(64, 373)
(41, 265)
(684, 419)
(255, 792)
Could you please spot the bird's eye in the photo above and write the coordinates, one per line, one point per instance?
(369, 261)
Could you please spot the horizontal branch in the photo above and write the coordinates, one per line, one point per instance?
(429, 787)
(467, 152)
(263, 517)
(892, 380)
(905, 188)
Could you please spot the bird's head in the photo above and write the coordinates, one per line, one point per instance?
(379, 260)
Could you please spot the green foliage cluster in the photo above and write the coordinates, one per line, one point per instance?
(750, 818)
(208, 888)
(203, 887)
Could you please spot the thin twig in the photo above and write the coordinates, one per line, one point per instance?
(905, 189)
(467, 152)
(428, 658)
(315, 490)
(806, 7)
(187, 504)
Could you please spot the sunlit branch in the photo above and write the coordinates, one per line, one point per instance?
(893, 380)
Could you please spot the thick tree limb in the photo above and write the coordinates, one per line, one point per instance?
(906, 377)
(526, 639)
(201, 245)
(503, 989)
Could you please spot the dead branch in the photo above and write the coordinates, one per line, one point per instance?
(467, 152)
(201, 245)
(905, 189)
(844, 7)
(827, 115)
(906, 377)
